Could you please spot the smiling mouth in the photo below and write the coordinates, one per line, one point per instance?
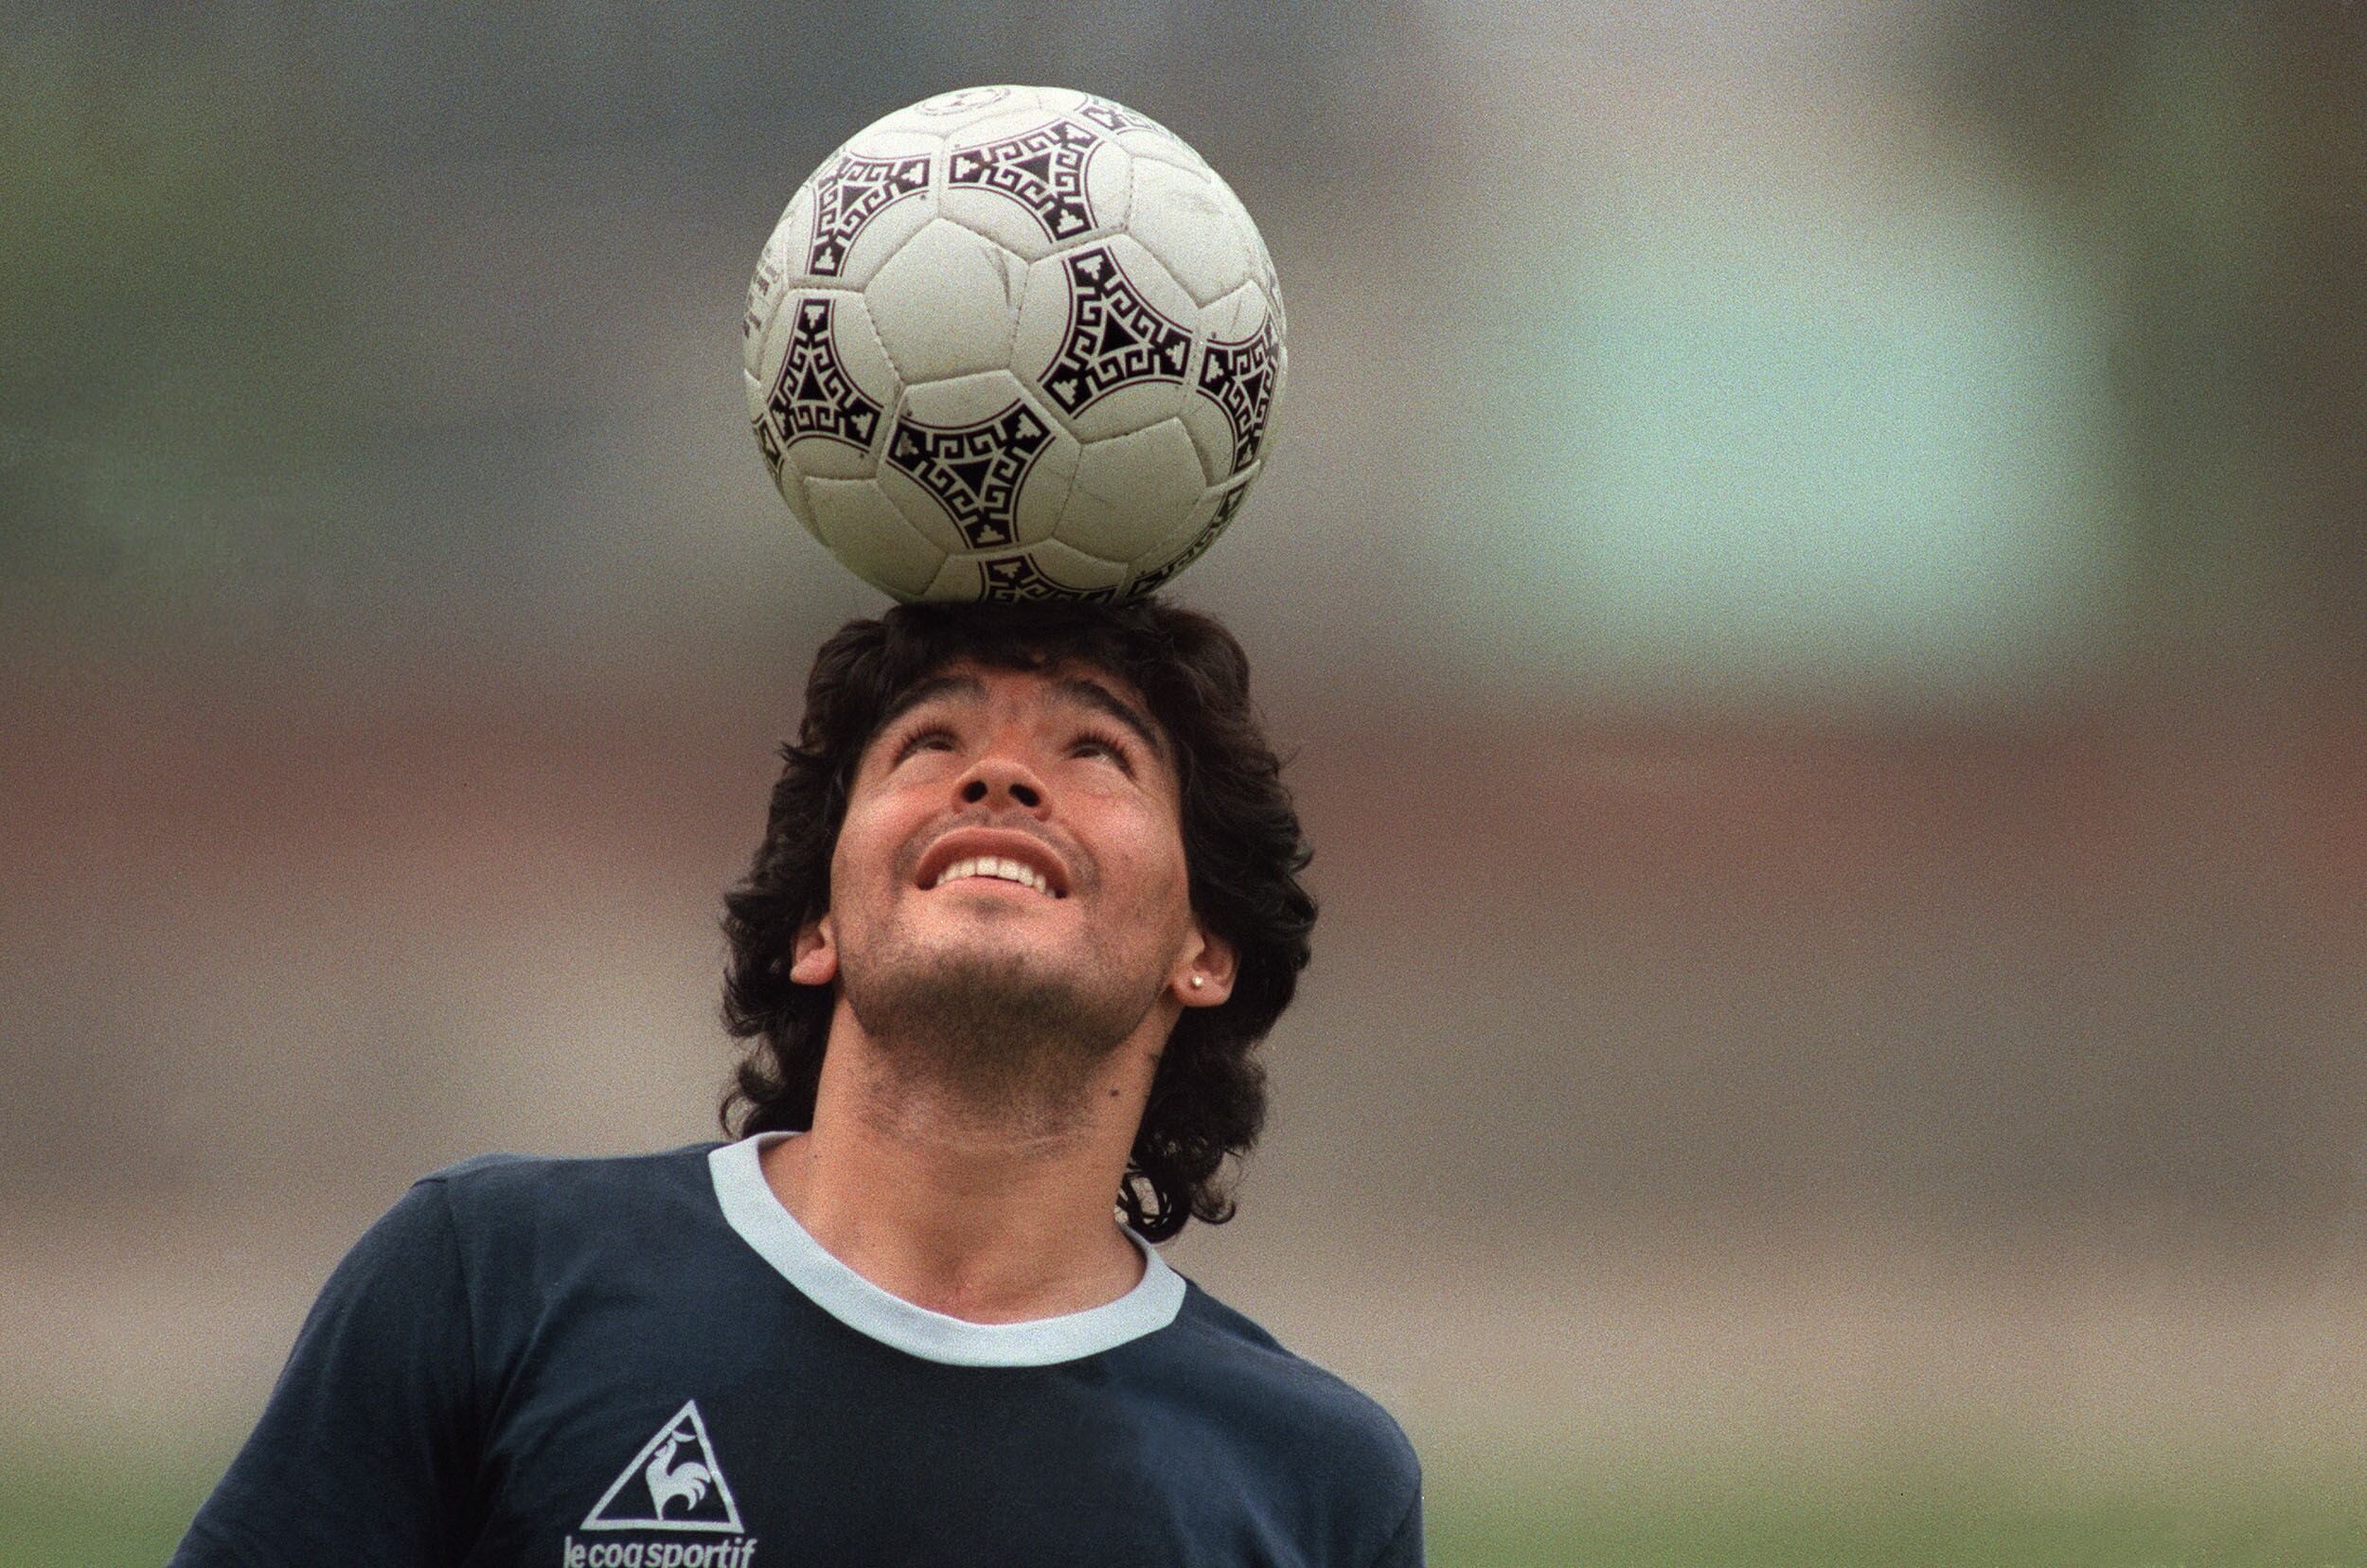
(995, 868)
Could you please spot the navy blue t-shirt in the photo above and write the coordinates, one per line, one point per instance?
(646, 1362)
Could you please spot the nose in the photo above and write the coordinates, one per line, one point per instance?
(997, 780)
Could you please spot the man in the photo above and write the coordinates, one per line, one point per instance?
(1026, 898)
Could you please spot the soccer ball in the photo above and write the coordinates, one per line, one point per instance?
(1014, 342)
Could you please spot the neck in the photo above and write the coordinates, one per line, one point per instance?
(993, 1213)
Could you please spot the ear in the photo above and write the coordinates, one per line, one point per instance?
(813, 956)
(1211, 960)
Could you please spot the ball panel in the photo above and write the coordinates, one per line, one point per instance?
(1126, 409)
(1211, 438)
(924, 512)
(856, 339)
(965, 399)
(1208, 523)
(1034, 182)
(1241, 313)
(787, 483)
(863, 528)
(1097, 321)
(1131, 493)
(1264, 258)
(1238, 374)
(1145, 147)
(864, 205)
(1199, 236)
(958, 580)
(1024, 226)
(946, 304)
(1043, 494)
(992, 461)
(851, 343)
(829, 386)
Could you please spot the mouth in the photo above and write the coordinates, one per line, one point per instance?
(996, 857)
(994, 868)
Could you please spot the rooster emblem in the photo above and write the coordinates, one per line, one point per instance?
(688, 1483)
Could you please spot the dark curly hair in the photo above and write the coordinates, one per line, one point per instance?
(1241, 842)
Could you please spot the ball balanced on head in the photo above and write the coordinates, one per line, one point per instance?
(1014, 342)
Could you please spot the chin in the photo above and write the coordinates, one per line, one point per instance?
(979, 999)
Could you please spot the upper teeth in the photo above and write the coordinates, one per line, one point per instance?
(988, 865)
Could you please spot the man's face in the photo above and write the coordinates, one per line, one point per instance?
(1011, 876)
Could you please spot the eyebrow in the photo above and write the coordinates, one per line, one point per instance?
(1074, 688)
(929, 691)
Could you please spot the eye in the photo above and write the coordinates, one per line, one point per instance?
(1099, 742)
(933, 738)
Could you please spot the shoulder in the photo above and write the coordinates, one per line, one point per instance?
(510, 1210)
(490, 1184)
(1314, 1402)
(1296, 1417)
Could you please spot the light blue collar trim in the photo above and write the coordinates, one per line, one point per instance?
(751, 1208)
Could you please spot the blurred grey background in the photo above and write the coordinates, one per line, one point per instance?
(1812, 566)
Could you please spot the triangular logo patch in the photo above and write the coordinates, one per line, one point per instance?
(674, 1482)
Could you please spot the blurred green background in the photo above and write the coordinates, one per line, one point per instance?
(1812, 569)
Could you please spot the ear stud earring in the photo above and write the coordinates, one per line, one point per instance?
(1197, 980)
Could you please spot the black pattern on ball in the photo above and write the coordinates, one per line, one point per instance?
(1042, 170)
(813, 395)
(1238, 375)
(770, 445)
(1115, 337)
(1115, 119)
(1018, 578)
(1157, 577)
(849, 196)
(973, 470)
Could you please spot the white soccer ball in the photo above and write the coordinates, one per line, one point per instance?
(1014, 342)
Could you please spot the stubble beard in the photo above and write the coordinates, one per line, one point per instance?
(987, 1039)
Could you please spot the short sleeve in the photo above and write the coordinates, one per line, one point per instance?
(366, 1453)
